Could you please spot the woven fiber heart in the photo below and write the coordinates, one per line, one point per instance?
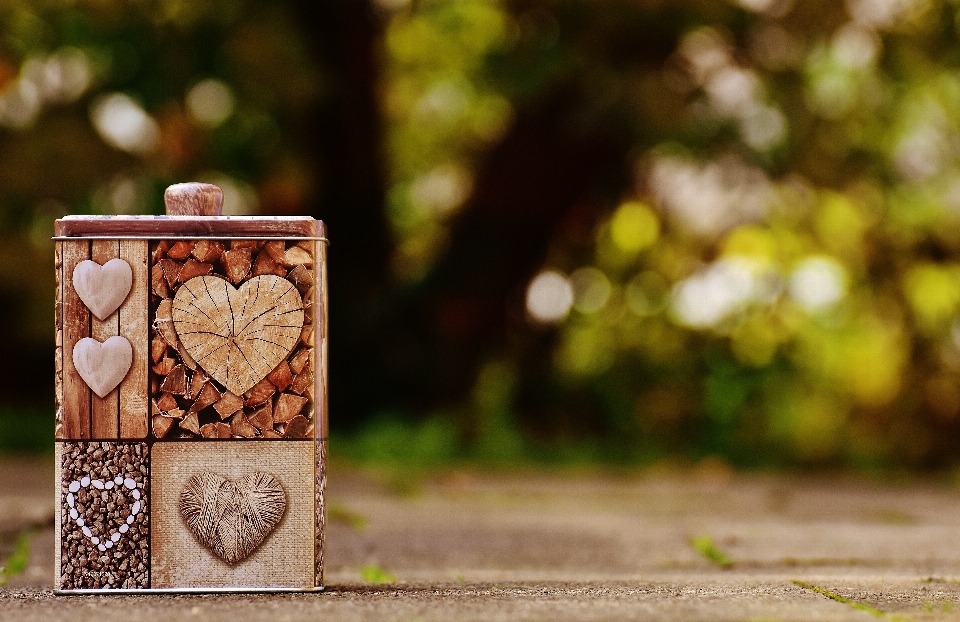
(103, 288)
(238, 336)
(229, 518)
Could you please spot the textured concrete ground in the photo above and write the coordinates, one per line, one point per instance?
(472, 546)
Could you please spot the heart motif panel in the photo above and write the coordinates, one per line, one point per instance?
(104, 515)
(239, 512)
(232, 350)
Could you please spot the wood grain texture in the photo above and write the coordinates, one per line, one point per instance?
(58, 339)
(193, 199)
(180, 226)
(320, 511)
(134, 325)
(238, 336)
(76, 326)
(320, 351)
(104, 417)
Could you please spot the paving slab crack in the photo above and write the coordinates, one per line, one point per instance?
(850, 602)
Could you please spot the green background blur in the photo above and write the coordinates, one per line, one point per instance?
(571, 231)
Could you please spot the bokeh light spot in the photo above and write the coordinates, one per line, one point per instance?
(634, 227)
(549, 297)
(442, 190)
(591, 289)
(210, 102)
(817, 283)
(706, 298)
(123, 124)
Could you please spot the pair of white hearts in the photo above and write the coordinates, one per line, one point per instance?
(121, 485)
(103, 289)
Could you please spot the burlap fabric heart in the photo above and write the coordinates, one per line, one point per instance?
(231, 519)
(238, 336)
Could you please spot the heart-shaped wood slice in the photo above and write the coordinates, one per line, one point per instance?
(103, 288)
(232, 519)
(103, 365)
(238, 336)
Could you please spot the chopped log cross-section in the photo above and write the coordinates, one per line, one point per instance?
(296, 256)
(167, 402)
(176, 381)
(265, 264)
(260, 393)
(162, 425)
(238, 336)
(281, 377)
(297, 427)
(158, 347)
(241, 427)
(300, 360)
(262, 419)
(194, 268)
(228, 405)
(288, 407)
(236, 263)
(208, 396)
(208, 251)
(181, 249)
(190, 423)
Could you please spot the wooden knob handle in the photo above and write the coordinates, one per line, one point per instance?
(193, 199)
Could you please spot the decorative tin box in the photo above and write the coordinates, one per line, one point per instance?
(191, 400)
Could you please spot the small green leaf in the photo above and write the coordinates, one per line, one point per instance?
(19, 558)
(376, 574)
(338, 513)
(705, 546)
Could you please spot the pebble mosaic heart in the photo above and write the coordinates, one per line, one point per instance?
(232, 518)
(238, 336)
(118, 484)
(103, 288)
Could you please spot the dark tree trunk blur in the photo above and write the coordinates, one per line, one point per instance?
(544, 180)
(418, 349)
(346, 140)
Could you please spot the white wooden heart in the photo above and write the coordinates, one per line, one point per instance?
(103, 365)
(103, 288)
(120, 485)
(238, 336)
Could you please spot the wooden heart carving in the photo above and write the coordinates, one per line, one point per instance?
(229, 518)
(238, 336)
(102, 365)
(103, 288)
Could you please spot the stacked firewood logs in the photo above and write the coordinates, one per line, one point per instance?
(185, 401)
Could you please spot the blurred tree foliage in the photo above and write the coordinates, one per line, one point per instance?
(639, 227)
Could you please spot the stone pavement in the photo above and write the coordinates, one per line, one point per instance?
(574, 546)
